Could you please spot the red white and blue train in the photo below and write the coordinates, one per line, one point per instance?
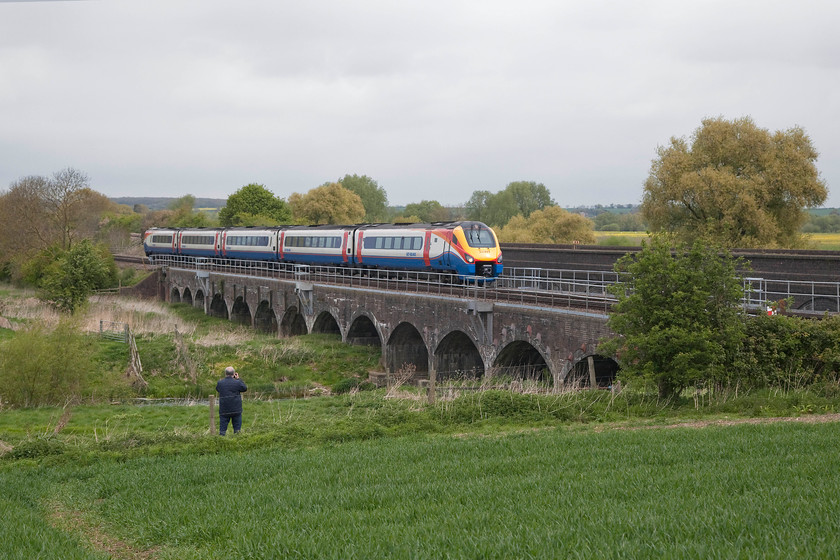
(463, 248)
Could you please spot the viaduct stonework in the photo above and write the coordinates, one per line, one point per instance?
(430, 337)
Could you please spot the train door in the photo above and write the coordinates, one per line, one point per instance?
(281, 246)
(346, 248)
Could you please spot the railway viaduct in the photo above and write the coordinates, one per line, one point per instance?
(423, 336)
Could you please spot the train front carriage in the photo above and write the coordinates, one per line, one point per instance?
(478, 250)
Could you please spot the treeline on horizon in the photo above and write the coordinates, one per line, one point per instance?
(606, 217)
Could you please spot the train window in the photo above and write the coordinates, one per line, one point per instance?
(479, 236)
(418, 243)
(197, 240)
(162, 239)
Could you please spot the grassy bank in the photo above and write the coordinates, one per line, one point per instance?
(770, 491)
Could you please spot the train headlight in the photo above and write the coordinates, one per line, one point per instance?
(470, 259)
(499, 260)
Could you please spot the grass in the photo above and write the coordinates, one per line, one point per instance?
(688, 493)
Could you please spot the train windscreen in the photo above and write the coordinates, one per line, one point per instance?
(479, 236)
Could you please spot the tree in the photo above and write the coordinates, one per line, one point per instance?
(327, 204)
(552, 225)
(256, 203)
(373, 197)
(476, 206)
(530, 196)
(518, 198)
(24, 225)
(427, 211)
(677, 319)
(183, 214)
(736, 185)
(74, 275)
(38, 212)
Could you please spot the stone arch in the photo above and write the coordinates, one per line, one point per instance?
(199, 299)
(175, 295)
(187, 297)
(362, 332)
(240, 313)
(265, 320)
(325, 323)
(606, 369)
(521, 360)
(293, 323)
(218, 307)
(820, 303)
(407, 351)
(457, 357)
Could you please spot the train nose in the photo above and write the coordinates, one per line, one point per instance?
(484, 269)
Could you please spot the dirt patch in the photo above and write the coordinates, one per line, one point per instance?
(73, 521)
(808, 419)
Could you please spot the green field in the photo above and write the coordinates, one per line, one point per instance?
(820, 241)
(748, 491)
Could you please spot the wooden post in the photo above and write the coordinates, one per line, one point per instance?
(212, 416)
(593, 383)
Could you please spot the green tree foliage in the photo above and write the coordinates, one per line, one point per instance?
(518, 198)
(254, 203)
(183, 214)
(42, 367)
(69, 280)
(735, 184)
(374, 198)
(677, 319)
(615, 221)
(829, 223)
(552, 225)
(327, 204)
(428, 211)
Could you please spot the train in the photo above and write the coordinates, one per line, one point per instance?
(464, 249)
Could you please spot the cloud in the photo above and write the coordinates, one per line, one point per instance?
(433, 100)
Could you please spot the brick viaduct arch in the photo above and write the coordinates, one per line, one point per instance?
(431, 336)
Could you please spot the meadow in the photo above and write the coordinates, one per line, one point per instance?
(747, 491)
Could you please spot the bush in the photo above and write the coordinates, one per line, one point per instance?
(38, 367)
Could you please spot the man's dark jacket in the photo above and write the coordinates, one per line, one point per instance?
(230, 401)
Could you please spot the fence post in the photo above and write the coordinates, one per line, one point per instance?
(212, 416)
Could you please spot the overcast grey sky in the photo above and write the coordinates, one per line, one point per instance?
(432, 99)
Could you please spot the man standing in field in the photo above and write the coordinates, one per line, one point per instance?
(230, 400)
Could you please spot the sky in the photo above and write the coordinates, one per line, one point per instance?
(432, 99)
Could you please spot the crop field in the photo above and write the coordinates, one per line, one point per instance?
(821, 241)
(385, 474)
(748, 491)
